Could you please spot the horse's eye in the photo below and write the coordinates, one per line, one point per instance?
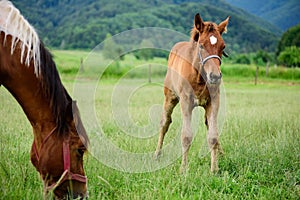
(80, 151)
(225, 54)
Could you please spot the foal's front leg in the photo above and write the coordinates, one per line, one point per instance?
(169, 103)
(187, 104)
(211, 117)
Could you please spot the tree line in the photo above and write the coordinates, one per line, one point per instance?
(83, 24)
(288, 51)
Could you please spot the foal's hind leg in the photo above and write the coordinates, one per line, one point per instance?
(170, 102)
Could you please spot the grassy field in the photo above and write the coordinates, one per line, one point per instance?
(68, 63)
(260, 138)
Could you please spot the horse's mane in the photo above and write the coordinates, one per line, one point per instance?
(25, 38)
(63, 107)
(14, 24)
(53, 89)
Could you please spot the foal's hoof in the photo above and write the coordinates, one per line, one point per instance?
(157, 155)
(183, 170)
(214, 170)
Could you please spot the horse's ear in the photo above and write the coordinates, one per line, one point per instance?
(199, 25)
(223, 25)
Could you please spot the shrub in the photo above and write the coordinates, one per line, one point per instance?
(243, 59)
(290, 57)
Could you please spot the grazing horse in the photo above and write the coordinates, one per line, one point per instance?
(29, 73)
(193, 79)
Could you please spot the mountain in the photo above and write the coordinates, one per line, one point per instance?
(282, 13)
(85, 23)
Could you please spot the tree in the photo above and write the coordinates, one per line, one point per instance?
(290, 57)
(146, 52)
(243, 59)
(290, 38)
(110, 49)
(261, 58)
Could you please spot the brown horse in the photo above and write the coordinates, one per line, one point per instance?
(28, 72)
(193, 79)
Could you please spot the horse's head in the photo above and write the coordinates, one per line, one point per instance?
(211, 46)
(59, 158)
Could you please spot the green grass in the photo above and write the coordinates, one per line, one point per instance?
(260, 138)
(68, 63)
(242, 70)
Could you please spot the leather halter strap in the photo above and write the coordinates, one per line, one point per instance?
(203, 61)
(67, 174)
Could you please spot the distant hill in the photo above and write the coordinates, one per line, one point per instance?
(282, 13)
(83, 24)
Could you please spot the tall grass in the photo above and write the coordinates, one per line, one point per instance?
(69, 63)
(260, 139)
(275, 72)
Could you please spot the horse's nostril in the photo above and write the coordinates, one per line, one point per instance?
(215, 77)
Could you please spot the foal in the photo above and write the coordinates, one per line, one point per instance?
(193, 79)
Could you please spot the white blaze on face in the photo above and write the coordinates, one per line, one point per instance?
(213, 40)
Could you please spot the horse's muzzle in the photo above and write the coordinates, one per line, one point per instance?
(214, 79)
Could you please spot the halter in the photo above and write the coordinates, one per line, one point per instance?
(203, 61)
(67, 174)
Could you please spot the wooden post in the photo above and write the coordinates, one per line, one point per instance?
(81, 65)
(149, 74)
(256, 75)
(267, 69)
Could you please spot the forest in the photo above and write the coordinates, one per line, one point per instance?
(83, 24)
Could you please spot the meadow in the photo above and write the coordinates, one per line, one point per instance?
(260, 138)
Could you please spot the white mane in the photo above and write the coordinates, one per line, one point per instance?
(14, 24)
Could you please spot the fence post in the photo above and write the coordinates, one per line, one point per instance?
(149, 74)
(267, 69)
(256, 75)
(81, 65)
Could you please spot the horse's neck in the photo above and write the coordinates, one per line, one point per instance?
(188, 51)
(23, 84)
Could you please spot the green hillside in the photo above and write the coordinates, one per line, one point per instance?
(82, 24)
(282, 13)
